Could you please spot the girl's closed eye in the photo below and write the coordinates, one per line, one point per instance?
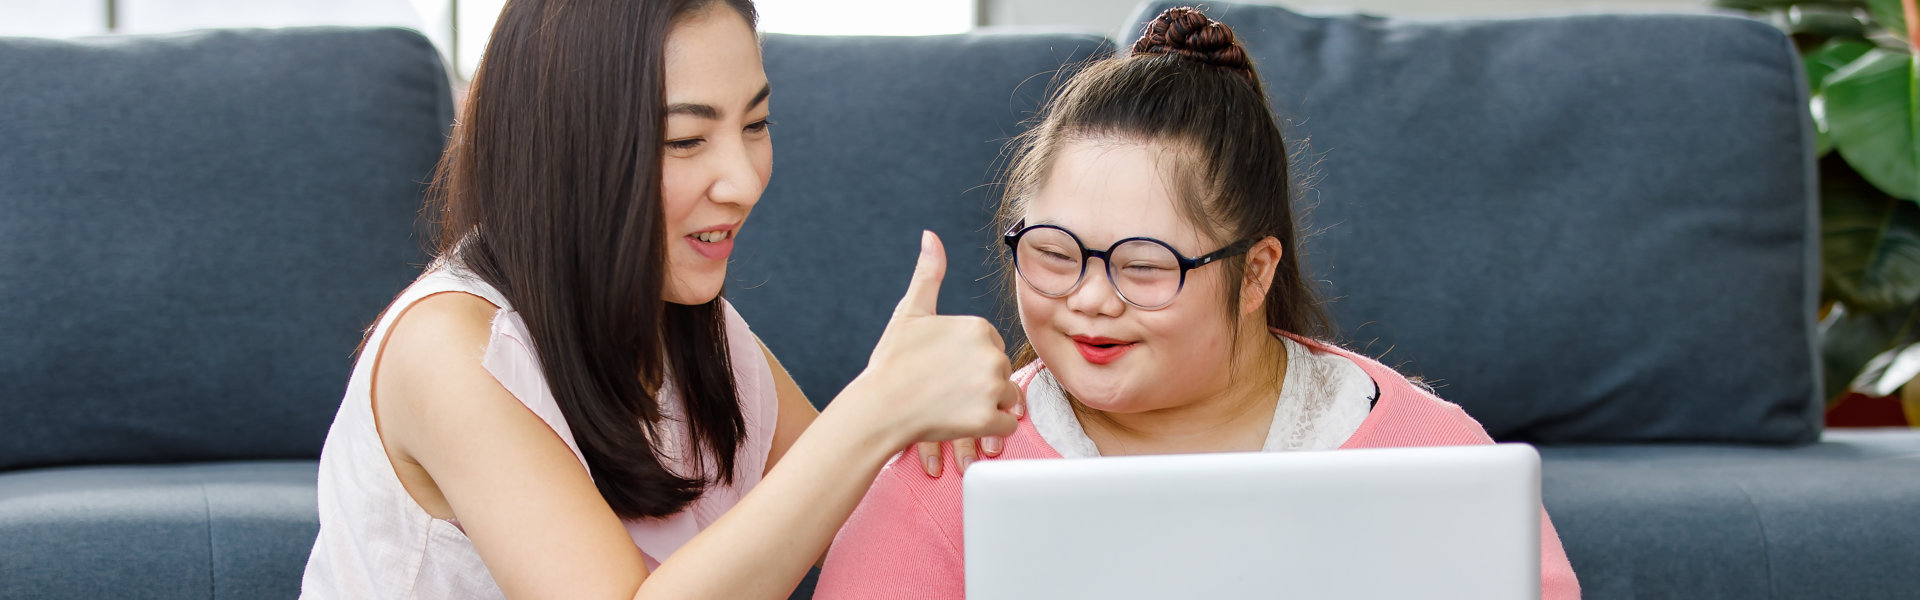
(760, 126)
(1055, 254)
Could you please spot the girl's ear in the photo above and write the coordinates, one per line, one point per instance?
(1263, 262)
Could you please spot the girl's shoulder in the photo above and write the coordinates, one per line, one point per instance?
(1024, 375)
(905, 481)
(1406, 412)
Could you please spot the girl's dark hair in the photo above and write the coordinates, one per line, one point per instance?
(1187, 84)
(549, 191)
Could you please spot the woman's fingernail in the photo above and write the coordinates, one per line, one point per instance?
(1019, 410)
(926, 241)
(964, 461)
(932, 463)
(990, 445)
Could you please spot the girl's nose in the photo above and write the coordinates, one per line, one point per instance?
(1096, 295)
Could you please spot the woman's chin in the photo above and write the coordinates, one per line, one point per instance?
(697, 292)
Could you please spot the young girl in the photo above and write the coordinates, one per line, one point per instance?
(562, 406)
(1156, 269)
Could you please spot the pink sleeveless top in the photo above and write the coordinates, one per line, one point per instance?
(376, 542)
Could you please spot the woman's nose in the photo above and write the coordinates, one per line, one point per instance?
(738, 180)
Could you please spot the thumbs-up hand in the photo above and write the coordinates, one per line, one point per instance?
(933, 377)
(923, 291)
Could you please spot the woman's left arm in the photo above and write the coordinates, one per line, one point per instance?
(796, 413)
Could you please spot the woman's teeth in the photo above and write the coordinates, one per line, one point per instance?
(711, 237)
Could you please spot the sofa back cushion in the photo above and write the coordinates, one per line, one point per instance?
(875, 139)
(195, 229)
(1582, 229)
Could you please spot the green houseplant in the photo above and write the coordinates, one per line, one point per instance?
(1861, 62)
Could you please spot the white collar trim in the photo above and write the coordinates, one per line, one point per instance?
(1323, 400)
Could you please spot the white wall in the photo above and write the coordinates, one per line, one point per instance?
(433, 17)
(1106, 15)
(52, 18)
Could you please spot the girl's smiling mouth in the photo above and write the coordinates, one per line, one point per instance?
(1100, 350)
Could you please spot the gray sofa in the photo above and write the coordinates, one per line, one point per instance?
(194, 229)
(1596, 233)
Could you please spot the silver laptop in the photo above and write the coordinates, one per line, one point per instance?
(1448, 522)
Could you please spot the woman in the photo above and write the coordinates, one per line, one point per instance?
(1194, 331)
(563, 405)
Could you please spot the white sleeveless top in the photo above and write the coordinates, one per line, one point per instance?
(376, 542)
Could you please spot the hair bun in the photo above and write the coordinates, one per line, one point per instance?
(1188, 33)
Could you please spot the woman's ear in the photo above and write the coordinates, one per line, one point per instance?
(1263, 262)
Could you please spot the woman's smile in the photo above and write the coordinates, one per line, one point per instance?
(714, 243)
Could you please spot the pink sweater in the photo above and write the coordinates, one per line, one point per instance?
(904, 541)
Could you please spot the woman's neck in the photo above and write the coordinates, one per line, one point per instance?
(1234, 417)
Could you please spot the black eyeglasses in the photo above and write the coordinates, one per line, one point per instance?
(1146, 273)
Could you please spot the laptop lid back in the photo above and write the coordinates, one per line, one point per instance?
(1436, 522)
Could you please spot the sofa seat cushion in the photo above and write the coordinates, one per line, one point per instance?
(1828, 520)
(208, 530)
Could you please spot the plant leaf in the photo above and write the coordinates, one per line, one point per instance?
(1820, 63)
(1822, 139)
(1869, 243)
(1871, 112)
(1829, 57)
(1889, 15)
(1823, 21)
(1849, 342)
(1889, 371)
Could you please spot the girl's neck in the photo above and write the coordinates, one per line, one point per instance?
(1234, 417)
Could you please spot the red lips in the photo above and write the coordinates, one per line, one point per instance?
(1100, 350)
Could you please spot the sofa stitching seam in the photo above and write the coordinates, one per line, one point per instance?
(1766, 545)
(213, 577)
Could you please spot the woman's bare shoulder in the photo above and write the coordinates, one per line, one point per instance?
(443, 328)
(434, 347)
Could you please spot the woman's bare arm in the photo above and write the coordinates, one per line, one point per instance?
(543, 529)
(525, 501)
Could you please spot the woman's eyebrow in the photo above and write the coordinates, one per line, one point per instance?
(704, 111)
(707, 111)
(765, 89)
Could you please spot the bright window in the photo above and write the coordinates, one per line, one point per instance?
(866, 17)
(458, 27)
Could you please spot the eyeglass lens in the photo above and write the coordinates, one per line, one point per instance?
(1146, 274)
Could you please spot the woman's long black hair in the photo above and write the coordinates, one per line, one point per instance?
(549, 191)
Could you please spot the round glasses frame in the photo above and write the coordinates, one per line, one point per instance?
(1020, 229)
